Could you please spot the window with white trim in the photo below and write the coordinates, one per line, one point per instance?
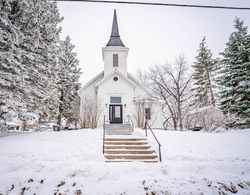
(115, 60)
(148, 113)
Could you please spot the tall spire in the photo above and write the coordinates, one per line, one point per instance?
(114, 39)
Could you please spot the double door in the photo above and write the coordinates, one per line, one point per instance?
(115, 114)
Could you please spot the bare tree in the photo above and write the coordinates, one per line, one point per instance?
(172, 84)
(90, 112)
(140, 114)
(142, 76)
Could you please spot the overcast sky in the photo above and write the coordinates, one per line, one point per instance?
(154, 34)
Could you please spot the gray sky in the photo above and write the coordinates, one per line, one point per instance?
(154, 34)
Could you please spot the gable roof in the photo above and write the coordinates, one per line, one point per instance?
(101, 74)
(130, 78)
(119, 73)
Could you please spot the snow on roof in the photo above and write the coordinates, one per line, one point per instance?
(91, 81)
(130, 78)
(118, 72)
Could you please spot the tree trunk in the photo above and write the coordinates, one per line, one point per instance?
(180, 117)
(210, 87)
(59, 118)
(24, 125)
(212, 95)
(75, 123)
(174, 123)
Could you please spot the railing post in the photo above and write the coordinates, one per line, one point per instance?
(132, 123)
(159, 145)
(160, 153)
(103, 134)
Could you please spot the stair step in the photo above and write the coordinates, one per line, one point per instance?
(130, 133)
(146, 161)
(118, 126)
(131, 157)
(126, 147)
(124, 143)
(129, 151)
(125, 139)
(118, 132)
(106, 130)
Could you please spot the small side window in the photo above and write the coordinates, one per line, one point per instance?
(115, 60)
(147, 113)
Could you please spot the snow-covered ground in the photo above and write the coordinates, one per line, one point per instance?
(71, 162)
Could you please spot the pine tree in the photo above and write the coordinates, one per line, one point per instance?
(235, 81)
(39, 24)
(203, 76)
(68, 82)
(29, 37)
(11, 68)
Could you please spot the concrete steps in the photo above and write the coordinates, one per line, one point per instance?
(125, 143)
(128, 149)
(118, 129)
(118, 132)
(125, 139)
(145, 161)
(131, 157)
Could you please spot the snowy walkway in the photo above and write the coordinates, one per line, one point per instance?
(71, 162)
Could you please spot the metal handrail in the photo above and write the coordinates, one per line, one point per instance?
(159, 144)
(132, 123)
(103, 141)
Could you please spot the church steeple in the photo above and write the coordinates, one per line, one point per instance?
(114, 39)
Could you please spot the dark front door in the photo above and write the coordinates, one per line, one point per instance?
(115, 113)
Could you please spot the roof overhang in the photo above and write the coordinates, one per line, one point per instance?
(91, 81)
(116, 71)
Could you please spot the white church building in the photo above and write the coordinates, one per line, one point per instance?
(115, 94)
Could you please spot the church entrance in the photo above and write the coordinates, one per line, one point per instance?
(115, 114)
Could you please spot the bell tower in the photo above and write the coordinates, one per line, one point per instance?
(115, 53)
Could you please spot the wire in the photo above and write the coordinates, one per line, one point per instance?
(162, 4)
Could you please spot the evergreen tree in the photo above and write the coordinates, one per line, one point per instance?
(68, 82)
(29, 37)
(203, 76)
(11, 68)
(235, 81)
(38, 22)
(40, 26)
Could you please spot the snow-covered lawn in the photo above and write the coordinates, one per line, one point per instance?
(71, 162)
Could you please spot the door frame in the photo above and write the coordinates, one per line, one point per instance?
(111, 114)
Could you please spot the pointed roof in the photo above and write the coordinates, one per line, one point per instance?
(114, 39)
(116, 71)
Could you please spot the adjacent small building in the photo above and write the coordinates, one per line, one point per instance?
(114, 94)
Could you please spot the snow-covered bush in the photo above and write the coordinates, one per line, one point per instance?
(209, 118)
